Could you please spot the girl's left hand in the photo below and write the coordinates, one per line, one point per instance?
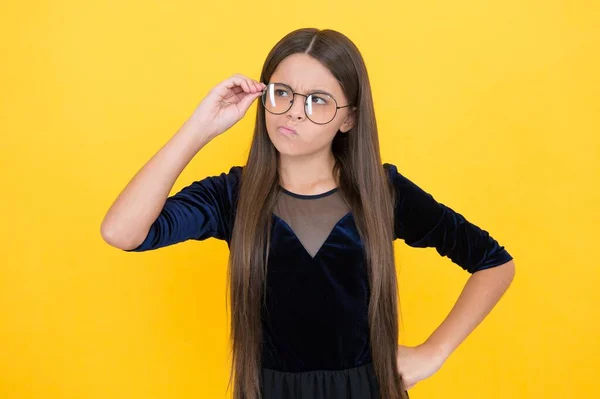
(418, 363)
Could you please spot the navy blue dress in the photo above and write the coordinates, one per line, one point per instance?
(316, 342)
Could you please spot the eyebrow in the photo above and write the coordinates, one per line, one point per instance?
(311, 90)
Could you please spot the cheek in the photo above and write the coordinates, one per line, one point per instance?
(311, 137)
(308, 132)
(272, 122)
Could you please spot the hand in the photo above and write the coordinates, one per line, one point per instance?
(418, 363)
(226, 103)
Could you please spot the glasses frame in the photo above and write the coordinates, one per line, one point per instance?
(264, 91)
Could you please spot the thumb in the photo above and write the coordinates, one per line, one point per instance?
(247, 101)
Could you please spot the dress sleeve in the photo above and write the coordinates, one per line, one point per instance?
(422, 222)
(201, 210)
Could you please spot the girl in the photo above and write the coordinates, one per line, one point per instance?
(309, 221)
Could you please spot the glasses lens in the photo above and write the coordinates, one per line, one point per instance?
(319, 107)
(277, 98)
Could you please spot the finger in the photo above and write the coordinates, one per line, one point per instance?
(237, 80)
(256, 85)
(241, 83)
(247, 100)
(250, 85)
(225, 88)
(236, 83)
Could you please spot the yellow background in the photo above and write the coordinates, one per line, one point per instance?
(492, 107)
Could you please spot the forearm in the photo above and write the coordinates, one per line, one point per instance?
(139, 204)
(478, 297)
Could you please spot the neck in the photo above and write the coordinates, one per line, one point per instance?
(307, 174)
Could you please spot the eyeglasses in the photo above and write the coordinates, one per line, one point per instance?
(319, 107)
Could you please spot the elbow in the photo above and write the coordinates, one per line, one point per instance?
(507, 272)
(510, 265)
(110, 236)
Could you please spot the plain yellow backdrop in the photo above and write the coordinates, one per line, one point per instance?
(492, 107)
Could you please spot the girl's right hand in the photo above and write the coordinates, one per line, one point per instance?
(226, 103)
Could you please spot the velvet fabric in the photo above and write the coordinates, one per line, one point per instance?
(315, 315)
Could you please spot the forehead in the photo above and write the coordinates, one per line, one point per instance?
(304, 74)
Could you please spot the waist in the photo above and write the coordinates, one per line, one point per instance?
(355, 382)
(312, 348)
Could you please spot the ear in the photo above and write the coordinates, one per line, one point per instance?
(349, 122)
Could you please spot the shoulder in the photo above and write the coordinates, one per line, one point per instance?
(393, 174)
(229, 179)
(219, 188)
(399, 180)
(234, 174)
(228, 183)
(390, 168)
(411, 197)
(236, 170)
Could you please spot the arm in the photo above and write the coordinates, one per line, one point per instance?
(478, 297)
(423, 222)
(480, 294)
(143, 217)
(128, 220)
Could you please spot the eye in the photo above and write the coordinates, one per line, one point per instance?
(319, 100)
(279, 91)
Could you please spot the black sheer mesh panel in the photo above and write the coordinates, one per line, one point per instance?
(311, 217)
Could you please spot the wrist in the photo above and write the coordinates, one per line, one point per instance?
(196, 134)
(197, 124)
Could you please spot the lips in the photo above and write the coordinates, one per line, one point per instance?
(288, 129)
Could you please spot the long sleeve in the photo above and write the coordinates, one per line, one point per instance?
(201, 210)
(422, 222)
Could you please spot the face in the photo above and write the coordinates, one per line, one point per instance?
(305, 75)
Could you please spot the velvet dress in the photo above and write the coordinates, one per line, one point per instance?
(316, 342)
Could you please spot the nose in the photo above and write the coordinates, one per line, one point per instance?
(297, 109)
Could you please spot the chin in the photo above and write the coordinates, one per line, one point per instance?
(289, 148)
(286, 148)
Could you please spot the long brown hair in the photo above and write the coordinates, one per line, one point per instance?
(364, 185)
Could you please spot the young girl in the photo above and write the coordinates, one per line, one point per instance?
(310, 222)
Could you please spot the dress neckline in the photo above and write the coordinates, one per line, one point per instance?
(308, 196)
